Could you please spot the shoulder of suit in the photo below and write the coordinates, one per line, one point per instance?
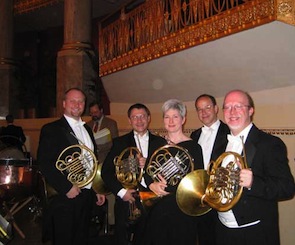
(124, 137)
(196, 131)
(109, 119)
(59, 123)
(155, 136)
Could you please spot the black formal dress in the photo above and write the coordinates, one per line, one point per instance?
(206, 223)
(166, 223)
(123, 228)
(272, 181)
(66, 221)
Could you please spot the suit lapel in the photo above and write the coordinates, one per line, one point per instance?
(198, 134)
(103, 123)
(68, 131)
(250, 147)
(131, 140)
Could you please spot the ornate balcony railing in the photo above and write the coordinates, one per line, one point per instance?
(25, 6)
(161, 27)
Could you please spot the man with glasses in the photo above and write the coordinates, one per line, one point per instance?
(266, 181)
(104, 129)
(212, 138)
(140, 137)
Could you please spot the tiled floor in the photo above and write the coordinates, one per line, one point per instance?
(29, 219)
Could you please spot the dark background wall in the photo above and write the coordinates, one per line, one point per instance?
(36, 53)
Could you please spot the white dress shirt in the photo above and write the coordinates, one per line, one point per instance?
(206, 141)
(83, 138)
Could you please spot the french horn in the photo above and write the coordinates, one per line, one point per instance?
(173, 163)
(218, 187)
(129, 174)
(80, 165)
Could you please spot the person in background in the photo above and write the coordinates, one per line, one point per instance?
(266, 180)
(98, 123)
(104, 130)
(139, 117)
(13, 135)
(212, 137)
(67, 217)
(166, 223)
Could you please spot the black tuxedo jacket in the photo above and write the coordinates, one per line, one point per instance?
(267, 157)
(220, 140)
(119, 144)
(54, 138)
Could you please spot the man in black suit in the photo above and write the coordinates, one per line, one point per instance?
(69, 211)
(266, 181)
(13, 135)
(139, 118)
(212, 137)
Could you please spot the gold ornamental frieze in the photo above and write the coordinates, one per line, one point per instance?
(242, 17)
(274, 131)
(286, 11)
(25, 6)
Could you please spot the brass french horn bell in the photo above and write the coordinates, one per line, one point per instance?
(218, 188)
(98, 184)
(190, 191)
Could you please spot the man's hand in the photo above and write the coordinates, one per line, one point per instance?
(141, 160)
(246, 177)
(128, 197)
(100, 199)
(73, 192)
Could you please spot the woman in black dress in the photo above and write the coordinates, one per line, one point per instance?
(167, 224)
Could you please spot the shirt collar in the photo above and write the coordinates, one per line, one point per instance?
(73, 122)
(244, 133)
(145, 136)
(213, 127)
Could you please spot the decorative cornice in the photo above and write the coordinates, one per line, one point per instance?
(273, 131)
(242, 17)
(286, 11)
(25, 6)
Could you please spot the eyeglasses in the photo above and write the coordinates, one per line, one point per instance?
(138, 117)
(206, 108)
(236, 107)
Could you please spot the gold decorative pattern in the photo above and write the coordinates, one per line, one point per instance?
(155, 33)
(286, 11)
(273, 131)
(24, 6)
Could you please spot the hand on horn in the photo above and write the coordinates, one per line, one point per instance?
(159, 187)
(128, 197)
(246, 177)
(141, 160)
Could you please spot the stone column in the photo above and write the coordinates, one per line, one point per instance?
(75, 60)
(8, 91)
